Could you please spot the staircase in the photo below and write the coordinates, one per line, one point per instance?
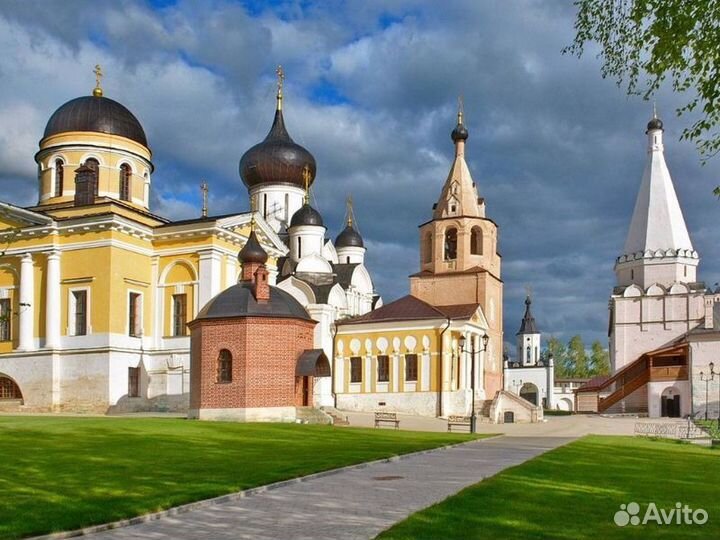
(482, 410)
(624, 382)
(338, 419)
(311, 415)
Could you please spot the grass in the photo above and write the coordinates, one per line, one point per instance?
(574, 491)
(61, 473)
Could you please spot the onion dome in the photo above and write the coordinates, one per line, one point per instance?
(239, 301)
(307, 215)
(460, 133)
(252, 251)
(528, 326)
(654, 124)
(276, 160)
(97, 114)
(349, 237)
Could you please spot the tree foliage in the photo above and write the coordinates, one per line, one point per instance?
(573, 360)
(644, 43)
(599, 360)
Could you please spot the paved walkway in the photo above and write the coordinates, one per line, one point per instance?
(362, 502)
(357, 503)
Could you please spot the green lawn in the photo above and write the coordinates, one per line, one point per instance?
(574, 491)
(60, 473)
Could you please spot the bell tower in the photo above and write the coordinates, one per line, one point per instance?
(459, 262)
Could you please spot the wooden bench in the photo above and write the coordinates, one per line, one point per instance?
(387, 417)
(463, 421)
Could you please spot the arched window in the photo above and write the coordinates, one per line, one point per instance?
(8, 389)
(125, 173)
(476, 241)
(528, 357)
(95, 166)
(224, 366)
(59, 171)
(428, 247)
(451, 244)
(86, 182)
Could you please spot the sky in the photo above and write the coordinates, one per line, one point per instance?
(371, 90)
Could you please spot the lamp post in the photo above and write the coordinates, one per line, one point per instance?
(712, 376)
(704, 378)
(485, 340)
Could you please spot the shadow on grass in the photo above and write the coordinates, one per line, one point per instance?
(573, 492)
(64, 473)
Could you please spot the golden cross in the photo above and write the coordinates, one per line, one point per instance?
(306, 179)
(349, 206)
(280, 78)
(204, 188)
(98, 75)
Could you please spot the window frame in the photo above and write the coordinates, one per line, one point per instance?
(224, 367)
(174, 321)
(133, 382)
(411, 368)
(124, 187)
(59, 174)
(6, 326)
(355, 370)
(135, 323)
(72, 311)
(383, 359)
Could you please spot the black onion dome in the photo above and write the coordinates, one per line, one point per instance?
(252, 251)
(96, 113)
(307, 215)
(239, 301)
(276, 160)
(349, 237)
(654, 123)
(460, 133)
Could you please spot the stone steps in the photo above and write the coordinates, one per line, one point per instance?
(311, 415)
(338, 418)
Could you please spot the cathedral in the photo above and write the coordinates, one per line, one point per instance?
(664, 326)
(96, 291)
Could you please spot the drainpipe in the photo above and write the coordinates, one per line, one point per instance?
(332, 379)
(440, 369)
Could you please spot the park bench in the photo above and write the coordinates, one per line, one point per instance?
(462, 421)
(387, 417)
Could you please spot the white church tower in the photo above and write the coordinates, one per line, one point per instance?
(528, 338)
(657, 248)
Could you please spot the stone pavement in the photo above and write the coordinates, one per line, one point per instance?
(362, 502)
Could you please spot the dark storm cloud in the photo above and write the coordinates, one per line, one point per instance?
(371, 90)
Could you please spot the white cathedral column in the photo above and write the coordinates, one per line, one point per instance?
(323, 339)
(210, 261)
(231, 271)
(26, 307)
(52, 301)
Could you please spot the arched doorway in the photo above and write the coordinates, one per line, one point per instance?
(565, 404)
(9, 390)
(670, 403)
(530, 392)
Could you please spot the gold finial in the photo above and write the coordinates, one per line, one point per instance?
(349, 210)
(306, 179)
(252, 213)
(280, 78)
(654, 109)
(461, 109)
(204, 188)
(97, 91)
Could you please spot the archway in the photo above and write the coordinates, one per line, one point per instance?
(670, 402)
(565, 404)
(530, 392)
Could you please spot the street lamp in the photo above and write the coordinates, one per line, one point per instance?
(485, 340)
(712, 376)
(704, 378)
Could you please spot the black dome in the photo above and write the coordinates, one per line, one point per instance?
(276, 160)
(307, 215)
(349, 237)
(239, 301)
(460, 133)
(252, 251)
(655, 123)
(96, 113)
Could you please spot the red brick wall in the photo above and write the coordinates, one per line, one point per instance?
(264, 352)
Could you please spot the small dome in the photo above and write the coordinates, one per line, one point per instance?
(252, 251)
(239, 301)
(98, 114)
(460, 133)
(276, 160)
(349, 237)
(654, 124)
(307, 215)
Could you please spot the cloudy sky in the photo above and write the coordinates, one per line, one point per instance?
(371, 91)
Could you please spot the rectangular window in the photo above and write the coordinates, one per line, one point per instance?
(411, 367)
(134, 315)
(133, 382)
(383, 368)
(179, 314)
(5, 313)
(355, 369)
(80, 298)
